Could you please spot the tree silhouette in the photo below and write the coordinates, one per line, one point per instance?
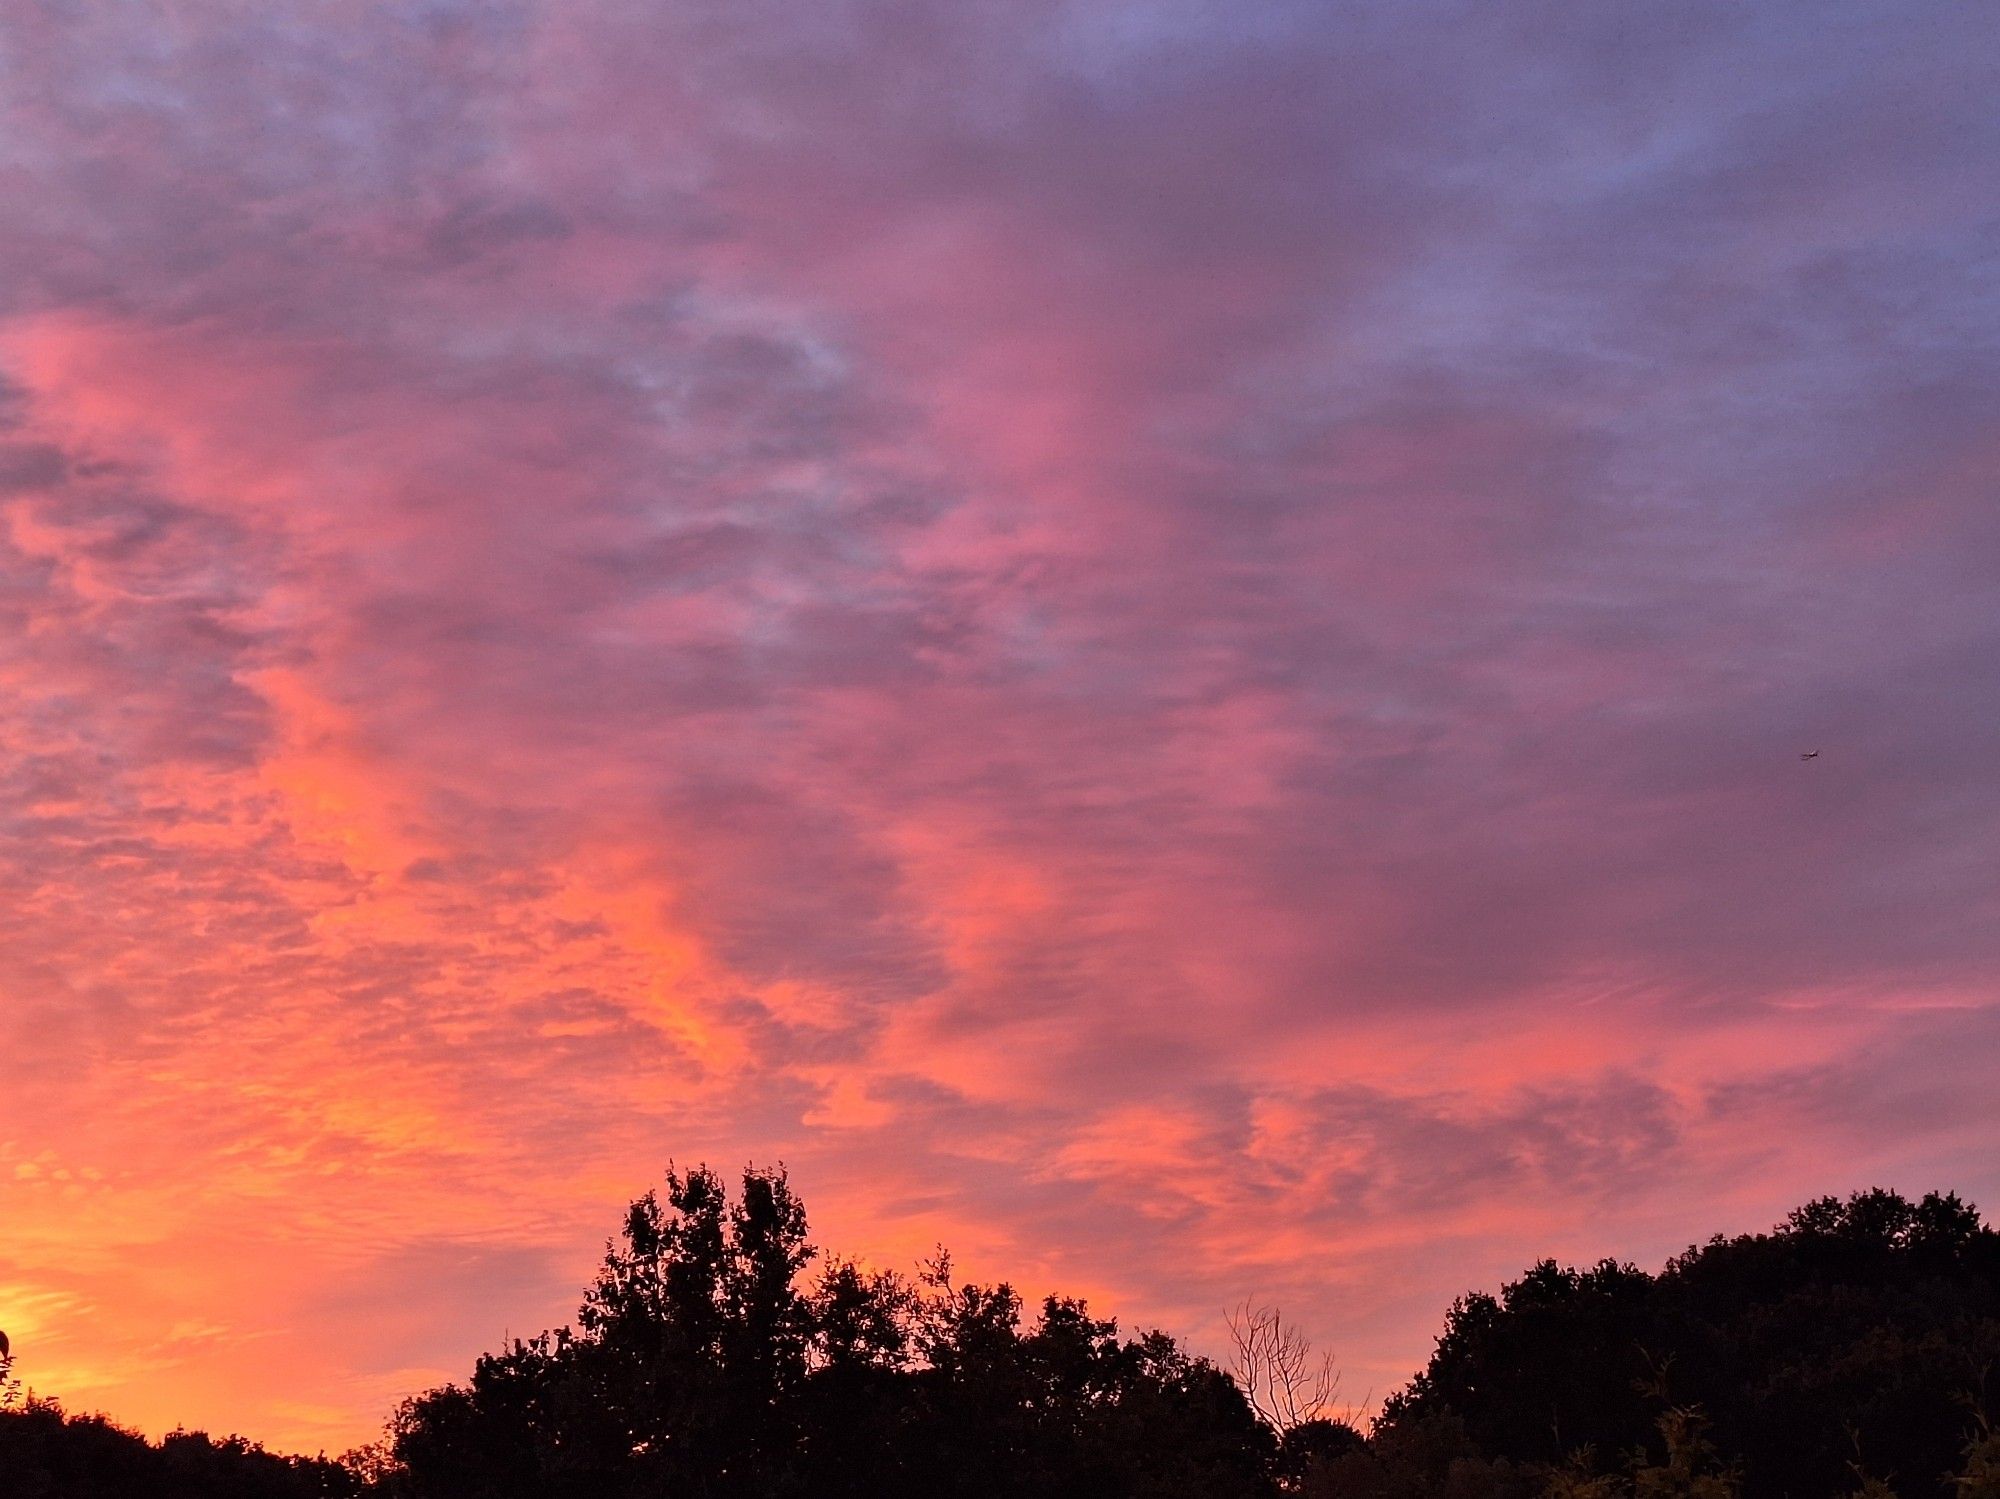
(10, 1387)
(717, 1355)
(704, 1364)
(1284, 1381)
(1859, 1320)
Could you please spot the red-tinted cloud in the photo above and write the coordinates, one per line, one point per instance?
(1168, 645)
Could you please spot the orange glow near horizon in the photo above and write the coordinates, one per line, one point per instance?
(1130, 658)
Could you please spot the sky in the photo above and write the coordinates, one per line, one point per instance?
(1168, 643)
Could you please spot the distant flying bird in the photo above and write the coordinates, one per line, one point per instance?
(1810, 755)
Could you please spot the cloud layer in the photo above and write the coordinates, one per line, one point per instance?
(1168, 642)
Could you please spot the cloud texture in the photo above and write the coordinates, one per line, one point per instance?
(1168, 642)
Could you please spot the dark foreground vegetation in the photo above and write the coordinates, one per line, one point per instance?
(1848, 1352)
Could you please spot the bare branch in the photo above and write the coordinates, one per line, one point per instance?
(1273, 1361)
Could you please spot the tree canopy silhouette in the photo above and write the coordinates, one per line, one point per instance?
(46, 1453)
(705, 1363)
(719, 1355)
(1851, 1336)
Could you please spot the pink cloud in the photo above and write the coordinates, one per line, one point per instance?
(1171, 647)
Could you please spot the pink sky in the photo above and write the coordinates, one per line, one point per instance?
(1169, 643)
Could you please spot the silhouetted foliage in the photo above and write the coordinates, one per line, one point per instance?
(45, 1453)
(1427, 1457)
(1308, 1448)
(718, 1356)
(1858, 1324)
(704, 1364)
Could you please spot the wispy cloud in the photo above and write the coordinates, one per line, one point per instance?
(1167, 643)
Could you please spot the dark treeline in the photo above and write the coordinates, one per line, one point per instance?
(47, 1454)
(717, 1356)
